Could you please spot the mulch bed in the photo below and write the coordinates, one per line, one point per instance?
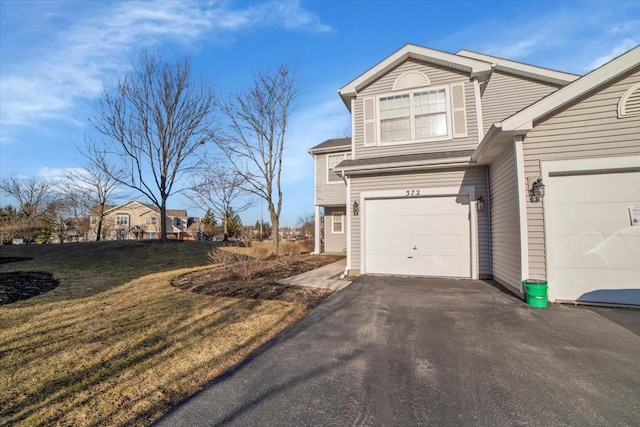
(20, 285)
(255, 279)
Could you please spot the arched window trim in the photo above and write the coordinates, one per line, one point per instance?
(622, 104)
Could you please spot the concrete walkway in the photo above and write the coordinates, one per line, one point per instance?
(323, 277)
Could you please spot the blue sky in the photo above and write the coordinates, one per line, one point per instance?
(55, 57)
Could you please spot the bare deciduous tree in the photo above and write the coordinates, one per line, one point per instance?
(220, 190)
(258, 123)
(90, 189)
(153, 122)
(33, 197)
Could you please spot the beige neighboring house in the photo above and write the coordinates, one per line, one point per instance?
(135, 220)
(472, 166)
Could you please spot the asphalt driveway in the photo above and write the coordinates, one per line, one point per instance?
(396, 351)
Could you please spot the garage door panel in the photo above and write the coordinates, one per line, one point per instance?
(591, 251)
(574, 289)
(445, 266)
(600, 188)
(437, 227)
(594, 250)
(424, 225)
(424, 245)
(417, 206)
(586, 217)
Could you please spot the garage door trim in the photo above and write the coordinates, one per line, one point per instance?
(417, 192)
(551, 168)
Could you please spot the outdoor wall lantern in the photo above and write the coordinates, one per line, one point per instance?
(355, 209)
(537, 191)
(480, 203)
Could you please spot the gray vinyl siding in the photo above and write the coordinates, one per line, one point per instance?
(334, 193)
(507, 94)
(476, 177)
(334, 242)
(505, 222)
(588, 128)
(438, 76)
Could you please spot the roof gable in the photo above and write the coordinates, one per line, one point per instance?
(521, 69)
(474, 67)
(590, 82)
(332, 145)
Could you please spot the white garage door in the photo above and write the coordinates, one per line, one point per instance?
(428, 236)
(594, 251)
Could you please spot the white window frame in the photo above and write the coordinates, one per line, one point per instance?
(151, 220)
(345, 156)
(412, 115)
(335, 215)
(126, 216)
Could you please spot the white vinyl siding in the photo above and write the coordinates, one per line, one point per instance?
(505, 223)
(585, 129)
(327, 194)
(365, 142)
(476, 177)
(334, 242)
(507, 94)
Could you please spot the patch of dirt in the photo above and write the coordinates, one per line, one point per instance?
(21, 285)
(255, 279)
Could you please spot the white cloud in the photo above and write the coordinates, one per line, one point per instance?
(619, 49)
(54, 74)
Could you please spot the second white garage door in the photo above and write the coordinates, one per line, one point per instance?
(594, 250)
(427, 236)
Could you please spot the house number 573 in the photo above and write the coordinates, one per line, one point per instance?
(413, 193)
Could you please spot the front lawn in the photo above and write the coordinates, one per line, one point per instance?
(117, 344)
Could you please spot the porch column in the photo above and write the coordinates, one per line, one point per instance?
(317, 231)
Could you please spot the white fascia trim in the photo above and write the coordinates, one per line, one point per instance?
(522, 69)
(348, 213)
(600, 76)
(522, 210)
(473, 66)
(405, 166)
(329, 150)
(353, 129)
(477, 96)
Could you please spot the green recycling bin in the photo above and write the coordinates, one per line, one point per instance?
(536, 292)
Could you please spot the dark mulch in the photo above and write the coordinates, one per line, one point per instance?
(255, 279)
(21, 285)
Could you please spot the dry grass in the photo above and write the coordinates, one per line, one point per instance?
(108, 347)
(126, 355)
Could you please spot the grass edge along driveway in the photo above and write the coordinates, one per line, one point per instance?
(126, 355)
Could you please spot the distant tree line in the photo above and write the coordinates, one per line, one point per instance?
(158, 132)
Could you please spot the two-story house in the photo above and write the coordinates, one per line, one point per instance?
(135, 220)
(472, 166)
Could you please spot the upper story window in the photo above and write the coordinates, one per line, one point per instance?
(332, 161)
(417, 115)
(151, 220)
(122, 220)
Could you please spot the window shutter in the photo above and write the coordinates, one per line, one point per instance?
(369, 106)
(459, 113)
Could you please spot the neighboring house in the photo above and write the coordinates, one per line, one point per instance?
(135, 220)
(446, 151)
